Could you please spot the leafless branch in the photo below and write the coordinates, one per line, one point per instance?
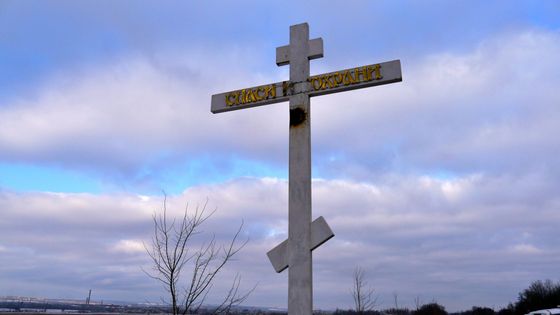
(170, 251)
(233, 297)
(362, 293)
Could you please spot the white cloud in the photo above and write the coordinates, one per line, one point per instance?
(406, 231)
(126, 116)
(129, 246)
(486, 110)
(526, 249)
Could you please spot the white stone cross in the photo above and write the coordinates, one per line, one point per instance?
(303, 235)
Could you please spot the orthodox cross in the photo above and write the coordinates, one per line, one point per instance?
(303, 234)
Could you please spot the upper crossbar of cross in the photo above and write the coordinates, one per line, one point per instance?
(298, 54)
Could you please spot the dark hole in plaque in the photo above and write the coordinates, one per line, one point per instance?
(297, 116)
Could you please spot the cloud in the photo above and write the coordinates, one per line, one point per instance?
(129, 246)
(129, 118)
(527, 249)
(486, 110)
(415, 235)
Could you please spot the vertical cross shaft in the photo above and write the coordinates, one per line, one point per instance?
(300, 276)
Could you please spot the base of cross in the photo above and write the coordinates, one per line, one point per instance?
(320, 233)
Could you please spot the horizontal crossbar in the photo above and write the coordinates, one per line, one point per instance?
(326, 83)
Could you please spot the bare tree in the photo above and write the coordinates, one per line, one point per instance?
(172, 254)
(417, 302)
(362, 293)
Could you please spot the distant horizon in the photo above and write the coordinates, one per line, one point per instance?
(120, 302)
(112, 302)
(124, 303)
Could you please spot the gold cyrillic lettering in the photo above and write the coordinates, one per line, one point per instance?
(318, 82)
(258, 93)
(377, 69)
(327, 81)
(348, 79)
(323, 82)
(361, 74)
(333, 80)
(315, 80)
(338, 78)
(243, 97)
(230, 102)
(252, 97)
(270, 91)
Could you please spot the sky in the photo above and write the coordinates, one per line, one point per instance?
(443, 187)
